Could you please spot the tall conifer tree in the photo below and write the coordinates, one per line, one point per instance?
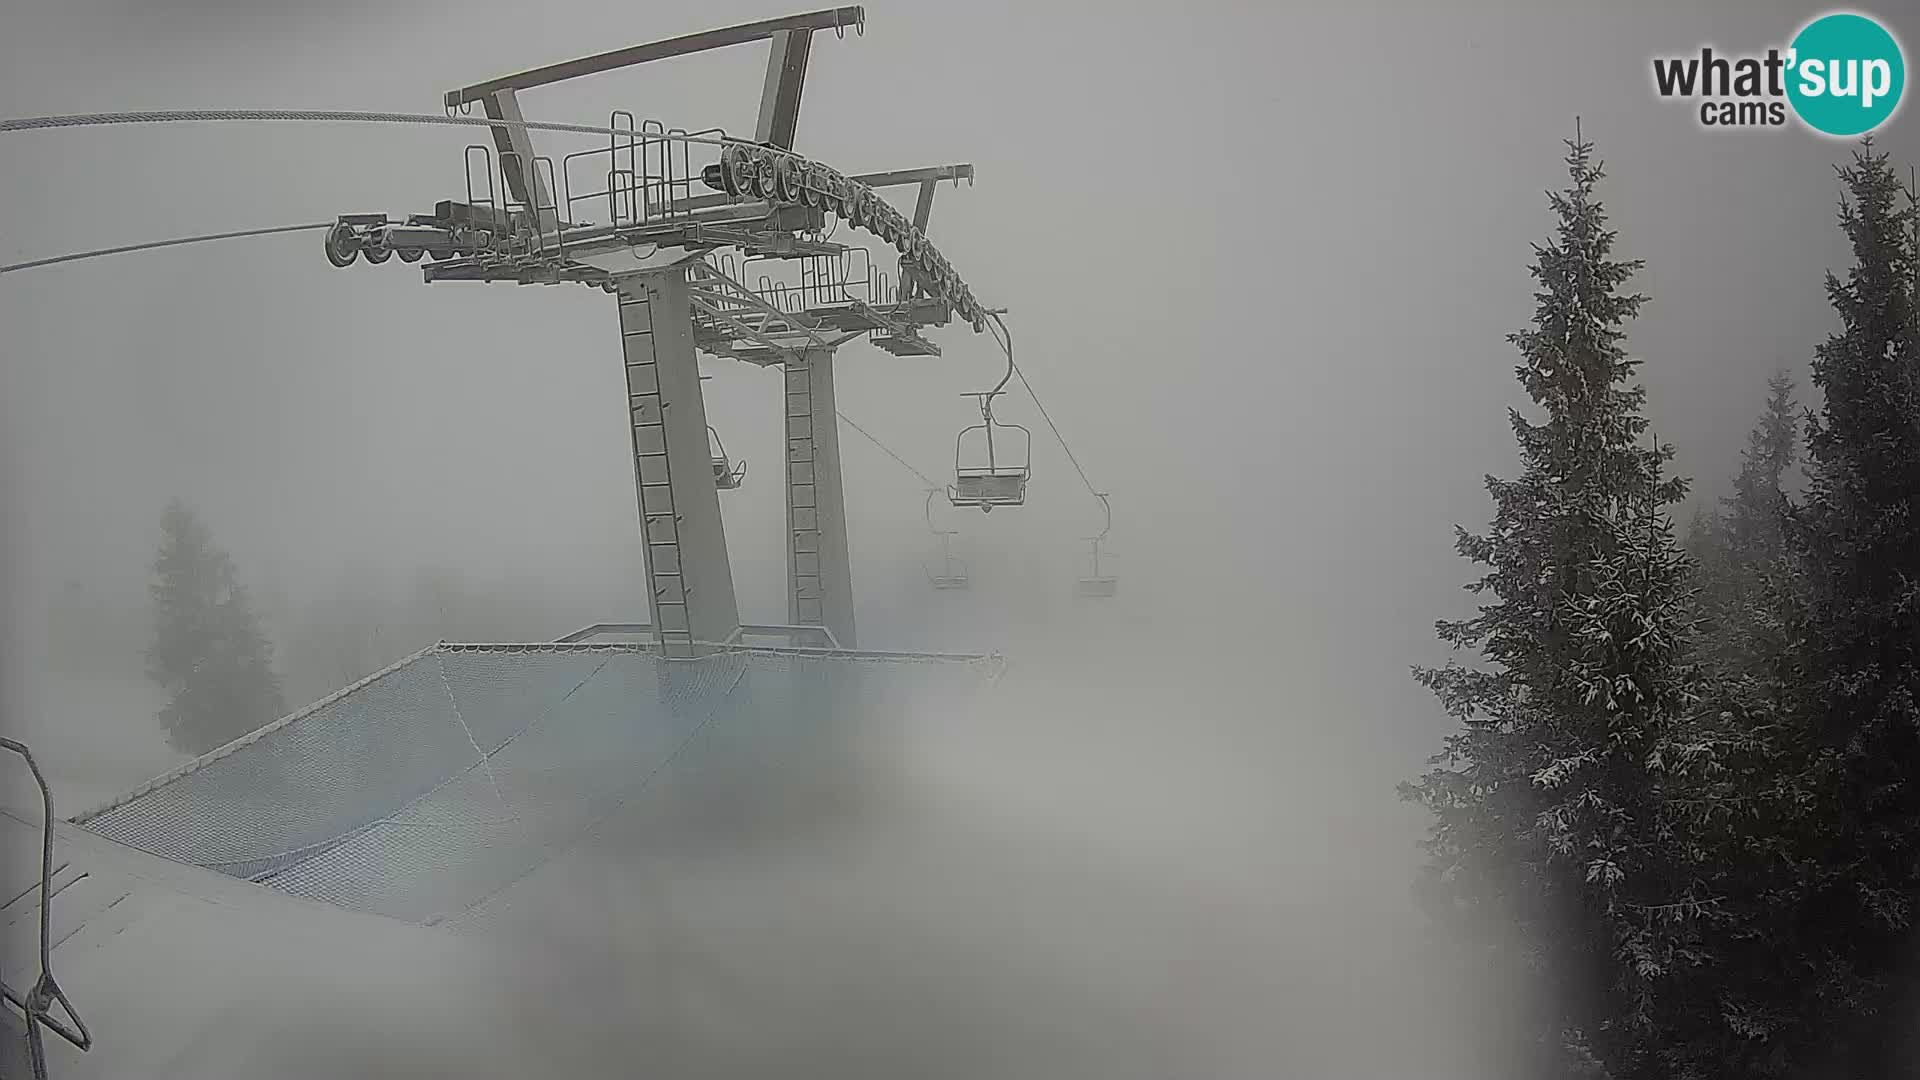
(209, 651)
(1548, 846)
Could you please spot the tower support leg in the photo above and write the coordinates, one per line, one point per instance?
(689, 580)
(819, 572)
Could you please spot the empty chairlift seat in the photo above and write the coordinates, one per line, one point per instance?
(988, 471)
(953, 572)
(988, 488)
(1096, 585)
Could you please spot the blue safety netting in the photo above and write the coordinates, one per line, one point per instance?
(422, 790)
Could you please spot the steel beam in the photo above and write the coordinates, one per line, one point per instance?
(515, 145)
(828, 19)
(689, 580)
(819, 571)
(910, 283)
(923, 209)
(902, 177)
(780, 97)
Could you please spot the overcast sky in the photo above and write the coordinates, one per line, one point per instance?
(1261, 260)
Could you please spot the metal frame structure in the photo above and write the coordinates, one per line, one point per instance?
(676, 241)
(792, 38)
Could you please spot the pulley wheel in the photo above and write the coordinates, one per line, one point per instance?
(342, 245)
(784, 179)
(730, 170)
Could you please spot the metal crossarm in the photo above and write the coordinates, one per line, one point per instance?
(838, 19)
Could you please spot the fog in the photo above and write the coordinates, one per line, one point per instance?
(1260, 260)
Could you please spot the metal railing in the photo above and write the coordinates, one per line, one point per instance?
(740, 633)
(36, 1005)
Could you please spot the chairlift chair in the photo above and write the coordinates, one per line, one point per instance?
(1095, 585)
(991, 477)
(1098, 586)
(953, 572)
(727, 475)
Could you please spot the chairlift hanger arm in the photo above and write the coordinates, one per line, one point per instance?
(827, 19)
(1006, 342)
(928, 509)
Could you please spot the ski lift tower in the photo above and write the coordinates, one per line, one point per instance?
(667, 253)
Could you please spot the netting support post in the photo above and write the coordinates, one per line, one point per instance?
(689, 580)
(819, 571)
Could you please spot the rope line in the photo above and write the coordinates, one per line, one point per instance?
(43, 123)
(885, 450)
(150, 245)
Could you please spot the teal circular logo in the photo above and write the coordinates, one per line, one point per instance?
(1846, 74)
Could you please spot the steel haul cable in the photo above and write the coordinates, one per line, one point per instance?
(198, 116)
(886, 450)
(149, 246)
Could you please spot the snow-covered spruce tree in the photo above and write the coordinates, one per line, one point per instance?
(1755, 514)
(1742, 817)
(208, 649)
(1549, 849)
(1860, 535)
(1742, 551)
